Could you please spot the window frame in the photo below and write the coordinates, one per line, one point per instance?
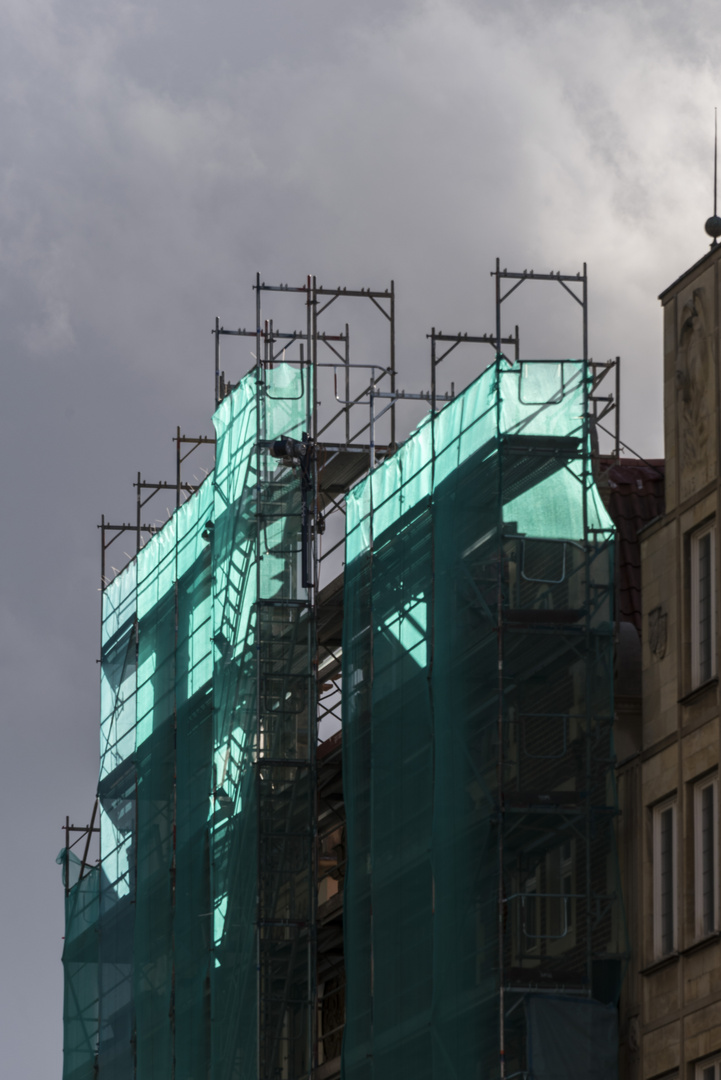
(702, 929)
(531, 913)
(659, 810)
(561, 896)
(707, 1063)
(568, 874)
(698, 675)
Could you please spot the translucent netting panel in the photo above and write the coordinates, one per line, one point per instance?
(176, 949)
(256, 564)
(155, 773)
(234, 848)
(499, 405)
(194, 758)
(563, 925)
(80, 965)
(192, 929)
(173, 769)
(476, 523)
(285, 646)
(154, 790)
(571, 1037)
(117, 806)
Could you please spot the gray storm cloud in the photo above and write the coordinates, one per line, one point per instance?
(154, 156)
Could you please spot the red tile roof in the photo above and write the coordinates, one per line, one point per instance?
(633, 492)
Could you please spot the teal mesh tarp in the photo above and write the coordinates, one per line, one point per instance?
(80, 964)
(156, 728)
(481, 542)
(258, 602)
(477, 729)
(568, 1038)
(117, 795)
(162, 954)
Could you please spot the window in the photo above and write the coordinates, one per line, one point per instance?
(531, 913)
(664, 878)
(708, 1070)
(560, 918)
(526, 916)
(567, 882)
(703, 605)
(705, 856)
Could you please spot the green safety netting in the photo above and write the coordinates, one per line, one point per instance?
(485, 528)
(160, 959)
(258, 600)
(80, 964)
(477, 712)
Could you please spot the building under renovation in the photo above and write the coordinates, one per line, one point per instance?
(356, 805)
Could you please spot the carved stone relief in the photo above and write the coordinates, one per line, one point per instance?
(694, 386)
(634, 1035)
(657, 623)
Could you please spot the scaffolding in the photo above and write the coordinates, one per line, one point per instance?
(482, 907)
(304, 464)
(191, 946)
(464, 646)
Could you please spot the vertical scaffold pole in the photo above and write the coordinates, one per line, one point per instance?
(258, 579)
(311, 389)
(499, 627)
(67, 855)
(585, 315)
(393, 362)
(177, 466)
(587, 479)
(174, 804)
(618, 408)
(347, 408)
(102, 563)
(312, 725)
(217, 361)
(314, 353)
(139, 508)
(312, 414)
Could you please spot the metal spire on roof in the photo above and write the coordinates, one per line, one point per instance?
(713, 225)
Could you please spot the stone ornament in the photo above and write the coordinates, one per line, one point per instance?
(657, 624)
(694, 393)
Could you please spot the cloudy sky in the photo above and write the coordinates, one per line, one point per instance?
(155, 155)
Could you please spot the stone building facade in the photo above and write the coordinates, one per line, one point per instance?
(668, 751)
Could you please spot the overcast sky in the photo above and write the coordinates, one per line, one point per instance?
(155, 155)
